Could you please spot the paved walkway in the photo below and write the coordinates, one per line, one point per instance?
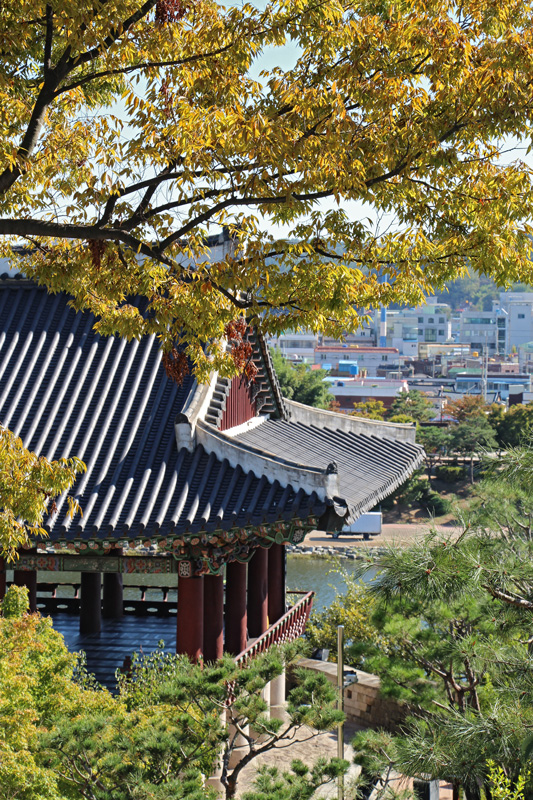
(394, 533)
(308, 750)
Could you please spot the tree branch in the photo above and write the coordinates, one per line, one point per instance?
(34, 227)
(11, 174)
(108, 73)
(114, 36)
(506, 597)
(233, 201)
(52, 79)
(47, 62)
(140, 215)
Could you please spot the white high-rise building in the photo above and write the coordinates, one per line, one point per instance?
(484, 330)
(518, 308)
(508, 325)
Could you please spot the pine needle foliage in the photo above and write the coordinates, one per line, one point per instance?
(300, 783)
(173, 722)
(453, 643)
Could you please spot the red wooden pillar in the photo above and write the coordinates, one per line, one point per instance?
(2, 578)
(112, 604)
(113, 595)
(190, 631)
(258, 593)
(276, 582)
(28, 578)
(91, 602)
(235, 619)
(213, 617)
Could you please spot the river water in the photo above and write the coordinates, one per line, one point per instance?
(321, 575)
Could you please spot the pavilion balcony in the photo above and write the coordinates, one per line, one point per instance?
(112, 648)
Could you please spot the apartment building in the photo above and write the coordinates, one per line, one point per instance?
(507, 326)
(368, 359)
(296, 346)
(434, 323)
(408, 327)
(484, 330)
(402, 331)
(517, 308)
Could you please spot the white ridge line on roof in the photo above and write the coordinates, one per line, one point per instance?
(244, 427)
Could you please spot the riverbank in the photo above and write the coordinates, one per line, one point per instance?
(320, 544)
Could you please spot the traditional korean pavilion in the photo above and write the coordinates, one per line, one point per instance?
(219, 476)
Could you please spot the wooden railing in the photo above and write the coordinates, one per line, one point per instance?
(287, 628)
(50, 602)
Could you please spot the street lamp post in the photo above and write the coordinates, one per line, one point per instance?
(340, 702)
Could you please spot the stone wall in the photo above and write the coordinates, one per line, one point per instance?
(363, 703)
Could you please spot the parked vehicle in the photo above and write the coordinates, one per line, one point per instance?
(367, 525)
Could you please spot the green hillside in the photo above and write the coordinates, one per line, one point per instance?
(476, 290)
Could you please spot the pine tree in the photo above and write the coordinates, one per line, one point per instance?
(471, 438)
(300, 383)
(174, 721)
(453, 643)
(414, 404)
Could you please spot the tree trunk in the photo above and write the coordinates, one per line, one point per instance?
(430, 464)
(472, 793)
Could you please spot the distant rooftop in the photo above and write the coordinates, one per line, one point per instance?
(355, 348)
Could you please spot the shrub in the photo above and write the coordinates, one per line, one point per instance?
(386, 504)
(16, 602)
(401, 419)
(415, 490)
(353, 609)
(436, 505)
(450, 473)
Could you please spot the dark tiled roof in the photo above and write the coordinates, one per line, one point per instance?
(369, 467)
(67, 391)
